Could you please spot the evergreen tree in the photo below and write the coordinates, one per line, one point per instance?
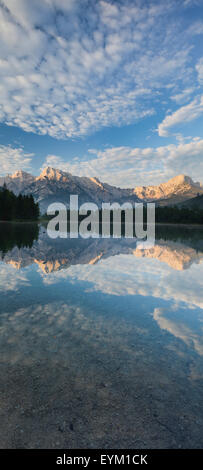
(17, 207)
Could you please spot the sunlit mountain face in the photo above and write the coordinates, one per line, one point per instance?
(54, 185)
(90, 322)
(107, 89)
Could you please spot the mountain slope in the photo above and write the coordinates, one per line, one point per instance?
(17, 182)
(177, 189)
(54, 185)
(195, 202)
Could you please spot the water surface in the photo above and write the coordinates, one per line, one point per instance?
(100, 342)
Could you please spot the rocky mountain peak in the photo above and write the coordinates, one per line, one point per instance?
(182, 179)
(22, 175)
(52, 174)
(177, 189)
(54, 184)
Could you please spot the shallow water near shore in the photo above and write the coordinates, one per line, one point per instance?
(100, 341)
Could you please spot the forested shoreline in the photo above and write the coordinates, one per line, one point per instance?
(23, 207)
(19, 207)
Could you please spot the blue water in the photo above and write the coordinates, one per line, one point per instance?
(101, 343)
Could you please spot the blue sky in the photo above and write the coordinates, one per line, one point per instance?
(102, 88)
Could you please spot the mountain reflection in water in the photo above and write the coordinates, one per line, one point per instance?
(24, 244)
(101, 342)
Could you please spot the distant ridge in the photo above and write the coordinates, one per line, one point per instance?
(194, 203)
(176, 190)
(54, 185)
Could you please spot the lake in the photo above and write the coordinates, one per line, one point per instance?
(101, 341)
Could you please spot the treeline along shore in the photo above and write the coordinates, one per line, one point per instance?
(23, 208)
(19, 207)
(165, 215)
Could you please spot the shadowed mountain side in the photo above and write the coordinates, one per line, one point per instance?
(194, 203)
(54, 185)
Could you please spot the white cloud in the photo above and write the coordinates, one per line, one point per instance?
(196, 28)
(13, 159)
(199, 68)
(68, 68)
(184, 114)
(188, 3)
(130, 167)
(183, 96)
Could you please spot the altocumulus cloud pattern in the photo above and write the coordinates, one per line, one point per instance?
(70, 67)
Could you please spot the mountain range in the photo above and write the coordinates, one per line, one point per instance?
(54, 185)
